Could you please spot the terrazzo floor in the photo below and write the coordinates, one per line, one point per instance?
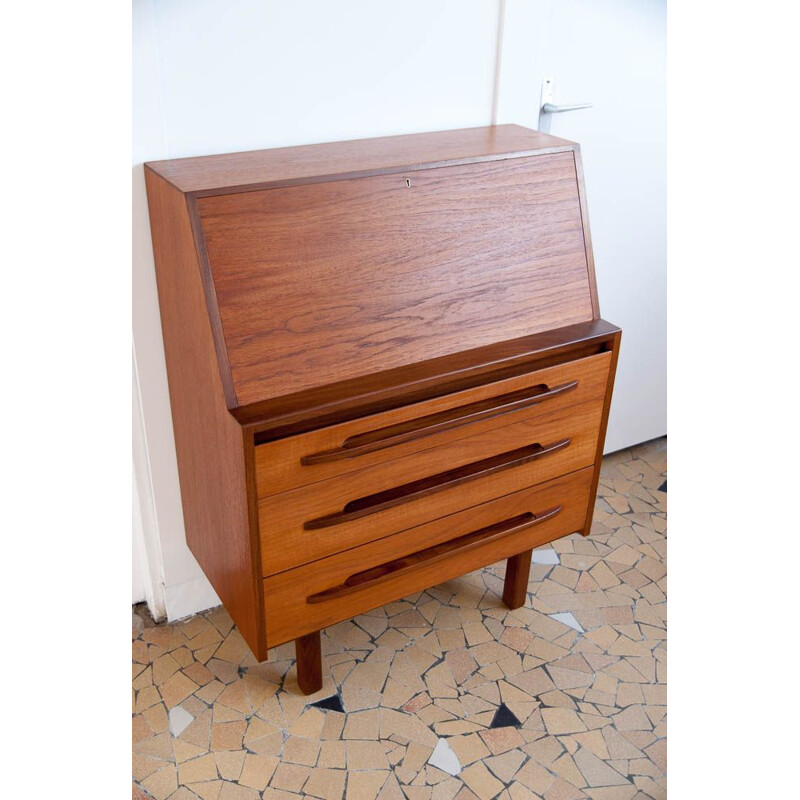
(445, 694)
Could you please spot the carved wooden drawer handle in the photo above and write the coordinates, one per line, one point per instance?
(380, 501)
(369, 442)
(430, 555)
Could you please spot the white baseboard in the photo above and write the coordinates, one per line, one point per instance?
(190, 597)
(145, 533)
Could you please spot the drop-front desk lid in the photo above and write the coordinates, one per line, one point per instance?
(336, 263)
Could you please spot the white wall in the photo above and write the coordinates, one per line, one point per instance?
(213, 76)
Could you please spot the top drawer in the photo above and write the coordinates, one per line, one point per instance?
(339, 449)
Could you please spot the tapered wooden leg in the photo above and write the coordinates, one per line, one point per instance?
(309, 662)
(518, 569)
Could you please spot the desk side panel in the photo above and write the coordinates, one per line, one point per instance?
(601, 439)
(211, 448)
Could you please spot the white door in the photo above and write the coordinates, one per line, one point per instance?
(612, 54)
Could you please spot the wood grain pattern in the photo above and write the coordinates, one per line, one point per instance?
(290, 616)
(285, 166)
(283, 516)
(308, 649)
(358, 334)
(424, 427)
(212, 305)
(358, 581)
(280, 467)
(369, 505)
(587, 236)
(515, 585)
(382, 391)
(322, 283)
(601, 438)
(212, 460)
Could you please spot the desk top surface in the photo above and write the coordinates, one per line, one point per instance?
(285, 166)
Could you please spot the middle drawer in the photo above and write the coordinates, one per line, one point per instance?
(330, 516)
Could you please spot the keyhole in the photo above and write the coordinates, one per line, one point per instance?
(408, 182)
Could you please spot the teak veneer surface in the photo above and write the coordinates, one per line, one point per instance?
(284, 166)
(280, 467)
(389, 389)
(420, 290)
(289, 614)
(283, 517)
(211, 448)
(325, 282)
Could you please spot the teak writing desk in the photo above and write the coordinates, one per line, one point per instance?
(386, 365)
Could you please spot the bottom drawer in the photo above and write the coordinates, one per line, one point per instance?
(327, 591)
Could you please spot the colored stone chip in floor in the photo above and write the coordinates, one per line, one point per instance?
(445, 694)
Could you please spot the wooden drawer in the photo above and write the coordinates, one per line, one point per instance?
(338, 449)
(327, 517)
(313, 596)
